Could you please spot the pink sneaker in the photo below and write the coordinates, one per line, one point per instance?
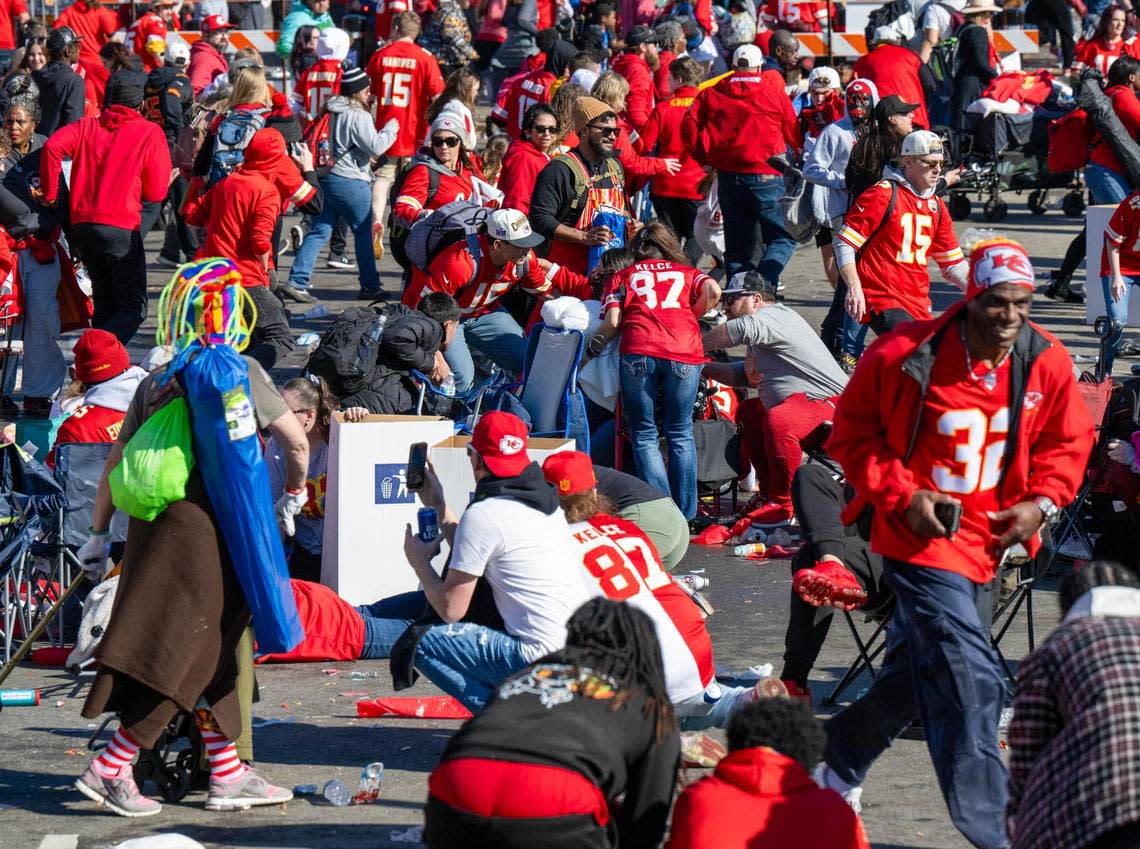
(119, 794)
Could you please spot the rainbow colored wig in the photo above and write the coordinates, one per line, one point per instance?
(205, 304)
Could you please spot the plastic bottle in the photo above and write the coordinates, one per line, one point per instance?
(370, 777)
(305, 790)
(750, 548)
(447, 385)
(694, 582)
(337, 794)
(360, 676)
(754, 534)
(780, 536)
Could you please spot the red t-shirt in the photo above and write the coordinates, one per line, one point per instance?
(657, 299)
(1095, 53)
(405, 80)
(10, 9)
(523, 93)
(88, 424)
(661, 137)
(960, 450)
(1124, 232)
(892, 268)
(894, 70)
(317, 84)
(385, 11)
(334, 629)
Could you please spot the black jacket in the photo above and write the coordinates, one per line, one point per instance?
(169, 100)
(616, 750)
(973, 70)
(62, 97)
(20, 212)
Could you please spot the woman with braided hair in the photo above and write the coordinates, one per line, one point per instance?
(544, 762)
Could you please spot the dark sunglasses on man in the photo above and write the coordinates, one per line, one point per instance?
(607, 132)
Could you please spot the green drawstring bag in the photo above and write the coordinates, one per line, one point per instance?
(156, 463)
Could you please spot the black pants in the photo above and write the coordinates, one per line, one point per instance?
(887, 320)
(446, 828)
(115, 261)
(304, 565)
(271, 338)
(1074, 255)
(680, 214)
(180, 240)
(1052, 16)
(1123, 837)
(338, 243)
(818, 501)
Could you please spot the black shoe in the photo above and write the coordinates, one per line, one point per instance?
(292, 293)
(366, 294)
(1128, 348)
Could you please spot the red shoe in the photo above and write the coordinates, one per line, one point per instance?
(795, 691)
(829, 583)
(770, 515)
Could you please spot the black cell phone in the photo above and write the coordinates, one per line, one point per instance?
(417, 465)
(948, 513)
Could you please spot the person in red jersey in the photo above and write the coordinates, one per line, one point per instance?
(440, 173)
(11, 11)
(386, 12)
(890, 232)
(525, 90)
(108, 383)
(619, 558)
(1107, 43)
(894, 70)
(1120, 269)
(527, 156)
(320, 82)
(966, 433)
(149, 33)
(656, 303)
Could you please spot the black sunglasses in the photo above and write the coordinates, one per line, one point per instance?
(450, 141)
(549, 129)
(605, 131)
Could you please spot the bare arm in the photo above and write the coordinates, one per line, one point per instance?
(295, 445)
(707, 299)
(717, 339)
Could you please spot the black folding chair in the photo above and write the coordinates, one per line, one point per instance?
(869, 649)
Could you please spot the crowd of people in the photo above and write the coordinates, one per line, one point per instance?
(633, 181)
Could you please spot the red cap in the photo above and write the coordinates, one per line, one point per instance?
(210, 23)
(500, 439)
(99, 356)
(571, 472)
(997, 261)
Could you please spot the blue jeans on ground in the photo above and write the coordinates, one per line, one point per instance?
(711, 709)
(1105, 185)
(468, 661)
(352, 201)
(643, 381)
(1118, 312)
(941, 667)
(496, 335)
(746, 199)
(386, 620)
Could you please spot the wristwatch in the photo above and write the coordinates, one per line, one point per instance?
(1047, 507)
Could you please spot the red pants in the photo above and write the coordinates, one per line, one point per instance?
(773, 440)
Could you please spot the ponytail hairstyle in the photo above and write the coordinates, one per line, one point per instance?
(656, 240)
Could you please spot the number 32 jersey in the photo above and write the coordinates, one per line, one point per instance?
(623, 564)
(892, 267)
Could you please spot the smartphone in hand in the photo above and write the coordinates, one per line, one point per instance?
(417, 466)
(948, 513)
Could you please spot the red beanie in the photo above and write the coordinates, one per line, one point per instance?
(99, 356)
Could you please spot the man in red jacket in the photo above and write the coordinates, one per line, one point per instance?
(676, 196)
(966, 434)
(636, 65)
(735, 127)
(762, 793)
(118, 160)
(894, 70)
(207, 54)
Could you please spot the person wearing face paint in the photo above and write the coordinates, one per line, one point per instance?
(976, 410)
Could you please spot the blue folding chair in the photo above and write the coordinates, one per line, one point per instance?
(550, 391)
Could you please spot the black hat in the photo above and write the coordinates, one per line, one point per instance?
(61, 38)
(750, 283)
(354, 81)
(640, 35)
(892, 104)
(286, 125)
(125, 88)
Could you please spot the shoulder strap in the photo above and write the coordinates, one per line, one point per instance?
(883, 221)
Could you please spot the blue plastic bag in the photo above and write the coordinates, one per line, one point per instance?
(606, 216)
(229, 455)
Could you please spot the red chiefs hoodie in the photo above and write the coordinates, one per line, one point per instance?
(640, 78)
(119, 159)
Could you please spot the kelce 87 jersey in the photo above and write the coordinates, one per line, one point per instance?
(892, 267)
(624, 565)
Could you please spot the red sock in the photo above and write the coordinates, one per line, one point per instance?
(118, 754)
(225, 765)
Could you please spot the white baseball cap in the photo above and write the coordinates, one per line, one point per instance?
(922, 143)
(823, 77)
(747, 56)
(512, 227)
(177, 52)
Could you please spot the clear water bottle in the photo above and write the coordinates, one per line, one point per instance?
(370, 777)
(754, 534)
(447, 385)
(694, 582)
(360, 676)
(780, 536)
(750, 548)
(337, 794)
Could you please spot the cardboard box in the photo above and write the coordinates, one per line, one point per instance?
(367, 506)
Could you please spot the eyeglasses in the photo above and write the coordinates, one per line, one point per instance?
(545, 129)
(607, 132)
(932, 164)
(440, 141)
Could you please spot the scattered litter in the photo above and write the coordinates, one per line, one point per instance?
(750, 549)
(696, 571)
(337, 794)
(75, 752)
(371, 775)
(305, 790)
(712, 535)
(773, 552)
(59, 703)
(319, 311)
(781, 537)
(360, 676)
(698, 749)
(693, 582)
(307, 339)
(431, 707)
(415, 834)
(1002, 744)
(331, 671)
(755, 673)
(1006, 719)
(19, 698)
(354, 694)
(264, 721)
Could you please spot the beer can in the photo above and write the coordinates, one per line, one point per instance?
(428, 522)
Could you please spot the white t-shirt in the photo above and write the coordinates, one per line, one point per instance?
(531, 564)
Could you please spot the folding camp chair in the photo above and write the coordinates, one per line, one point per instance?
(869, 649)
(550, 392)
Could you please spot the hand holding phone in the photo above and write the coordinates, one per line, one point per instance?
(417, 466)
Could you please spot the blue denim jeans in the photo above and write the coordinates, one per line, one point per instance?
(1105, 185)
(468, 661)
(644, 380)
(745, 201)
(386, 620)
(1118, 312)
(940, 667)
(496, 335)
(352, 201)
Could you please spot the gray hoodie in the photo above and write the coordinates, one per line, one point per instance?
(355, 140)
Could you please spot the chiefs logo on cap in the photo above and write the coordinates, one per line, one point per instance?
(510, 445)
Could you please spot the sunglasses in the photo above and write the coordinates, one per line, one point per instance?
(439, 141)
(545, 129)
(607, 132)
(933, 164)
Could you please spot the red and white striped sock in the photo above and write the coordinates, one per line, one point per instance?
(118, 754)
(225, 765)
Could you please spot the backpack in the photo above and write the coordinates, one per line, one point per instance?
(957, 19)
(886, 15)
(346, 355)
(453, 222)
(397, 232)
(191, 138)
(1070, 142)
(796, 206)
(234, 133)
(318, 139)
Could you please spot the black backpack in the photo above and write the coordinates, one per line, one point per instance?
(1124, 409)
(397, 232)
(346, 355)
(884, 16)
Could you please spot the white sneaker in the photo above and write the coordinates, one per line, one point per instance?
(852, 794)
(249, 791)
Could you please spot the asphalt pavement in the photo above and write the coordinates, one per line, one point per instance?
(307, 730)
